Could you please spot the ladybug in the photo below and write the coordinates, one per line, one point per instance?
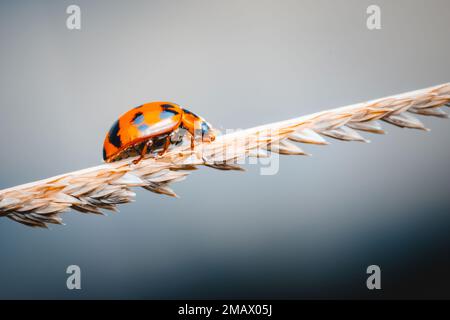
(153, 127)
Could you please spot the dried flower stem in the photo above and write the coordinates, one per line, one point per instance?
(104, 187)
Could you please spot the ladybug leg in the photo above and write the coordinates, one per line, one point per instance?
(166, 146)
(192, 142)
(143, 152)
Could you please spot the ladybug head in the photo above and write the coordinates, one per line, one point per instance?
(198, 127)
(208, 134)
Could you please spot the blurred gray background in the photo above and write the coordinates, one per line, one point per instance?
(308, 232)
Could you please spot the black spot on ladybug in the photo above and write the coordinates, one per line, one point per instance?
(169, 108)
(136, 116)
(168, 111)
(114, 135)
(189, 112)
(104, 154)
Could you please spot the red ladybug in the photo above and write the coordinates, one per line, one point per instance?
(153, 127)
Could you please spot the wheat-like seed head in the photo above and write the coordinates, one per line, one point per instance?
(90, 190)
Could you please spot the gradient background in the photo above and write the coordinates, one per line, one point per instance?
(308, 232)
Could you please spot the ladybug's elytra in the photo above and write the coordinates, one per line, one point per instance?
(150, 127)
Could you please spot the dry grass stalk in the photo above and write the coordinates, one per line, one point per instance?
(104, 187)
